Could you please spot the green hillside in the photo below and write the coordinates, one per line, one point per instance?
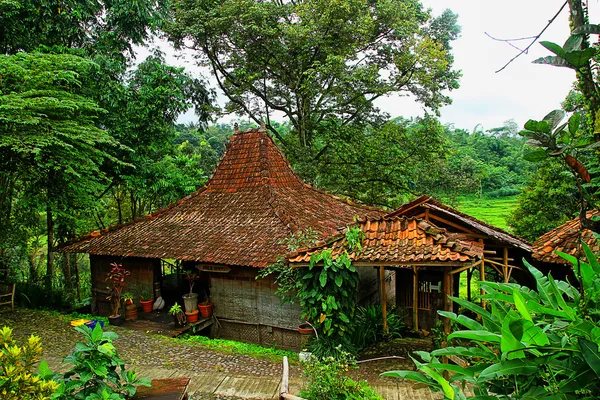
(491, 210)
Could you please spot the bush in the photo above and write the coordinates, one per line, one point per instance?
(17, 382)
(368, 326)
(529, 344)
(98, 371)
(326, 380)
(503, 192)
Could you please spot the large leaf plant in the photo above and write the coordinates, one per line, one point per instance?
(527, 344)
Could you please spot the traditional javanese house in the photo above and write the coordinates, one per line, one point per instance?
(566, 239)
(229, 229)
(423, 247)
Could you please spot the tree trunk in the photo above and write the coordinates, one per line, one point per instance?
(585, 78)
(77, 280)
(67, 271)
(50, 257)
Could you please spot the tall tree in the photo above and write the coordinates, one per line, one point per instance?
(319, 60)
(49, 140)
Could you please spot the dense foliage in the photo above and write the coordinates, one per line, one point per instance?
(540, 344)
(17, 379)
(326, 379)
(97, 373)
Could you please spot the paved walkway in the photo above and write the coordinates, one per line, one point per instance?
(254, 387)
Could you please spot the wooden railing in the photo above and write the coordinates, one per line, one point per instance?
(285, 383)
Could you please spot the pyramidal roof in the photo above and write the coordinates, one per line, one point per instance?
(253, 201)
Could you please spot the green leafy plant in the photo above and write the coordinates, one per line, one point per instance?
(368, 326)
(326, 379)
(178, 313)
(326, 289)
(17, 381)
(529, 344)
(98, 372)
(128, 297)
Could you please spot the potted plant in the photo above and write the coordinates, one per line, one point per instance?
(131, 312)
(205, 308)
(116, 276)
(177, 314)
(146, 299)
(192, 316)
(191, 299)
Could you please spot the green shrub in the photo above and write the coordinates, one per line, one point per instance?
(529, 344)
(98, 372)
(325, 347)
(17, 382)
(368, 326)
(326, 380)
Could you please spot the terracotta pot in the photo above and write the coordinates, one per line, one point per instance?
(305, 329)
(147, 305)
(115, 320)
(205, 310)
(192, 316)
(190, 301)
(131, 312)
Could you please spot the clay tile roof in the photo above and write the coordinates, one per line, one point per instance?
(423, 202)
(400, 240)
(252, 202)
(565, 238)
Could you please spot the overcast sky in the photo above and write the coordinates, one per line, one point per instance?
(520, 92)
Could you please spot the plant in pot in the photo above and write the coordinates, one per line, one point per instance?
(177, 314)
(131, 312)
(206, 307)
(116, 276)
(146, 299)
(190, 299)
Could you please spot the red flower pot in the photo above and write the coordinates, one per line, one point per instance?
(305, 329)
(147, 305)
(205, 310)
(192, 316)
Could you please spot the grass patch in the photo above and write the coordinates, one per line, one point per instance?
(247, 349)
(494, 211)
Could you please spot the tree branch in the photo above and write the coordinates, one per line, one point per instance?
(535, 38)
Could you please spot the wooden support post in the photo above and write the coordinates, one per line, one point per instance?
(505, 267)
(383, 298)
(482, 273)
(447, 292)
(469, 276)
(415, 304)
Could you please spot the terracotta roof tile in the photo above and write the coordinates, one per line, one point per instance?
(252, 202)
(400, 240)
(565, 238)
(424, 202)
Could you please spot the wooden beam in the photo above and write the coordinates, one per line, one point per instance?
(469, 276)
(427, 214)
(383, 298)
(447, 302)
(487, 260)
(505, 269)
(482, 273)
(490, 252)
(459, 270)
(415, 305)
(457, 226)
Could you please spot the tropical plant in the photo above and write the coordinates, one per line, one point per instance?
(529, 344)
(116, 276)
(191, 277)
(367, 326)
(17, 380)
(326, 290)
(177, 312)
(326, 379)
(98, 373)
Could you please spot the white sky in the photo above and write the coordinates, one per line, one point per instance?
(520, 92)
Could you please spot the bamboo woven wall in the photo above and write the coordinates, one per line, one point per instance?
(239, 296)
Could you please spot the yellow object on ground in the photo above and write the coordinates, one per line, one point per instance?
(79, 322)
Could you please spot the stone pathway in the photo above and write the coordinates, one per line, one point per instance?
(214, 375)
(218, 385)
